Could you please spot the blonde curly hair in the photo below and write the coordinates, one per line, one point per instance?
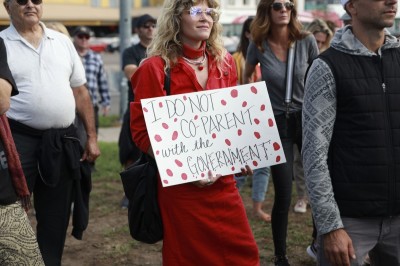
(167, 42)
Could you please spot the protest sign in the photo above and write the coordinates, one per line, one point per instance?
(220, 130)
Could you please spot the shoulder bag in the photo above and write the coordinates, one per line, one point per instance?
(140, 186)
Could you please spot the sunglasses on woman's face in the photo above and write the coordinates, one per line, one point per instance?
(277, 6)
(24, 2)
(197, 12)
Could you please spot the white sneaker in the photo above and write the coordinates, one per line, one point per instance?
(301, 206)
(312, 251)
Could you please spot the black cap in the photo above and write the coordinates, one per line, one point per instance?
(142, 20)
(82, 30)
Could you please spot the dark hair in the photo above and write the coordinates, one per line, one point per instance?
(244, 40)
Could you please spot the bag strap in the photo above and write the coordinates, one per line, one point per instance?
(167, 82)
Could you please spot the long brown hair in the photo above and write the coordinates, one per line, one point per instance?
(261, 26)
(244, 41)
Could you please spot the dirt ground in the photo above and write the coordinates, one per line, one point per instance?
(107, 241)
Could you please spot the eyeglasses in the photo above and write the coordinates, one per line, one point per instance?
(277, 6)
(149, 26)
(83, 36)
(196, 12)
(24, 2)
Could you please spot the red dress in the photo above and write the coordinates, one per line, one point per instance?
(202, 226)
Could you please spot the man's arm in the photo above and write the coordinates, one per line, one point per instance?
(129, 70)
(84, 108)
(319, 114)
(5, 94)
(129, 62)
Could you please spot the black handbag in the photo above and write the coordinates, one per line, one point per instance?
(140, 186)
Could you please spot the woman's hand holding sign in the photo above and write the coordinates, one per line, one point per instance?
(245, 171)
(211, 179)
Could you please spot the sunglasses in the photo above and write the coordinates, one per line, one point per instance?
(196, 12)
(148, 26)
(277, 6)
(83, 36)
(24, 2)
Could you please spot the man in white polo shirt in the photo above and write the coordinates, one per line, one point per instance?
(45, 66)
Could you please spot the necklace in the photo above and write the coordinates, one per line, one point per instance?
(199, 63)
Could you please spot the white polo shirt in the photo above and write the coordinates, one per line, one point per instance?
(44, 78)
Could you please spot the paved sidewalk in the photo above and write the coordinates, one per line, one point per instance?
(109, 134)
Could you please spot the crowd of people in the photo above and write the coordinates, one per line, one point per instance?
(333, 94)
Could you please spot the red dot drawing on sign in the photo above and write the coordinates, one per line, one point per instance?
(253, 89)
(157, 152)
(169, 172)
(257, 135)
(234, 93)
(145, 109)
(165, 181)
(244, 104)
(160, 104)
(175, 135)
(239, 132)
(214, 135)
(276, 146)
(233, 168)
(202, 174)
(184, 176)
(270, 122)
(255, 163)
(158, 138)
(175, 119)
(223, 102)
(256, 121)
(195, 117)
(262, 108)
(185, 98)
(228, 142)
(165, 125)
(278, 159)
(178, 163)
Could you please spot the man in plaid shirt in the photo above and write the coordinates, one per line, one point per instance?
(95, 75)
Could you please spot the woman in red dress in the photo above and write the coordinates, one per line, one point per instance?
(205, 222)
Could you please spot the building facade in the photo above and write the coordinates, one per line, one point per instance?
(89, 12)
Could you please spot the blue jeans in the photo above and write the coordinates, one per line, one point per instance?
(260, 183)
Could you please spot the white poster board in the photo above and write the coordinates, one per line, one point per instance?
(220, 130)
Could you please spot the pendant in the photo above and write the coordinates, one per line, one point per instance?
(200, 67)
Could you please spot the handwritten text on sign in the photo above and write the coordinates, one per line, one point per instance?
(220, 130)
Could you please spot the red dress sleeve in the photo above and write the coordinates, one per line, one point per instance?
(147, 82)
